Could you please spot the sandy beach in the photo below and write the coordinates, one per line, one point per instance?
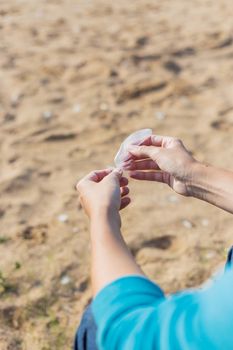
(76, 78)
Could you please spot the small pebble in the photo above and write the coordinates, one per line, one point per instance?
(187, 224)
(103, 107)
(205, 222)
(173, 199)
(210, 255)
(47, 115)
(15, 99)
(63, 218)
(160, 115)
(76, 108)
(75, 229)
(65, 280)
(185, 101)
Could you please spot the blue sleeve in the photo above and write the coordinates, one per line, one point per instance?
(133, 313)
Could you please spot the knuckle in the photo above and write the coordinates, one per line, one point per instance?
(153, 137)
(144, 149)
(178, 141)
(78, 186)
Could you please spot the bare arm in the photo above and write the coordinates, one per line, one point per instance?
(102, 198)
(213, 185)
(111, 258)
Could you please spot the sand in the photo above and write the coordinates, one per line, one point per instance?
(76, 77)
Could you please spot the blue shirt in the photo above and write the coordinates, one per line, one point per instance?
(132, 313)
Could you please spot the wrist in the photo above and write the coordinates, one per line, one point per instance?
(106, 215)
(196, 184)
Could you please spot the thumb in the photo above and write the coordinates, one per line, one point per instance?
(143, 151)
(116, 173)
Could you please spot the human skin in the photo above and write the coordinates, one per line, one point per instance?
(165, 159)
(104, 193)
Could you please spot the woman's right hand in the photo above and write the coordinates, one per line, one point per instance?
(163, 159)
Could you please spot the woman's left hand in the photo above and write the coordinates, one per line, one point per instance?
(103, 190)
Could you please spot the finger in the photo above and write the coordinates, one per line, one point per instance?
(124, 191)
(146, 164)
(159, 176)
(117, 173)
(124, 181)
(97, 175)
(146, 142)
(131, 160)
(158, 140)
(125, 202)
(142, 152)
(79, 185)
(93, 176)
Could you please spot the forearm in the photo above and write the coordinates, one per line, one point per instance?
(212, 185)
(111, 258)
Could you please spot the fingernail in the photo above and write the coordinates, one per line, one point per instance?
(118, 170)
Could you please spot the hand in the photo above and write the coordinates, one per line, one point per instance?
(103, 190)
(165, 159)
